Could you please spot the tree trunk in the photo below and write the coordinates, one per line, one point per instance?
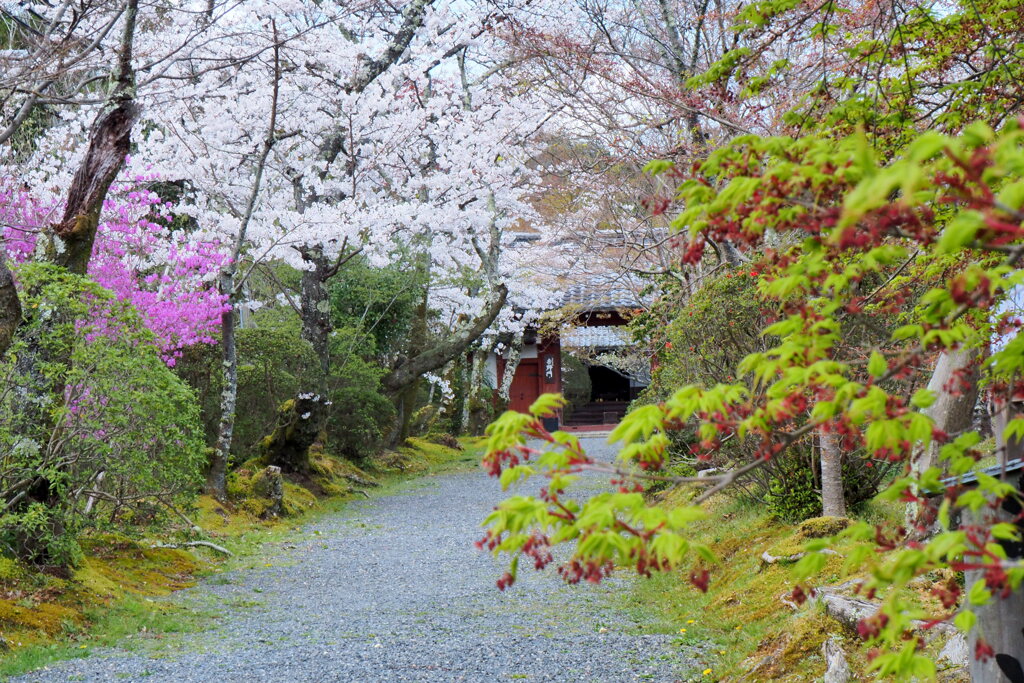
(10, 306)
(288, 445)
(406, 409)
(954, 382)
(216, 482)
(515, 354)
(69, 242)
(1001, 621)
(465, 371)
(302, 420)
(216, 479)
(316, 310)
(833, 503)
(478, 412)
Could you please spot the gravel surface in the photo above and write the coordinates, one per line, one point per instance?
(392, 589)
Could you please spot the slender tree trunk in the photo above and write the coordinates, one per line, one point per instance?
(954, 382)
(472, 380)
(460, 370)
(216, 481)
(515, 354)
(479, 411)
(216, 478)
(833, 503)
(406, 393)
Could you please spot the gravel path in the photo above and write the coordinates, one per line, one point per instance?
(392, 589)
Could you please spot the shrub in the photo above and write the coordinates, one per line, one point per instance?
(360, 412)
(274, 364)
(94, 420)
(382, 301)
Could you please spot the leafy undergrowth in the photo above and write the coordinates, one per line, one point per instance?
(117, 595)
(742, 625)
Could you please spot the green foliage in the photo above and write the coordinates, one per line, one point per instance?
(707, 334)
(274, 364)
(381, 301)
(835, 224)
(576, 384)
(92, 417)
(792, 494)
(361, 414)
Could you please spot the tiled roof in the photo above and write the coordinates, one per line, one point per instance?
(602, 296)
(607, 337)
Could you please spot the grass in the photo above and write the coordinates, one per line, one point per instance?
(741, 628)
(118, 595)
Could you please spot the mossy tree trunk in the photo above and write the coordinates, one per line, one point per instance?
(288, 445)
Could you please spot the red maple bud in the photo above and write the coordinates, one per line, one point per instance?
(505, 581)
(701, 580)
(983, 651)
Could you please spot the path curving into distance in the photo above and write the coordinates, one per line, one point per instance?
(392, 589)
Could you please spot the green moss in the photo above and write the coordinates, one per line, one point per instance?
(297, 500)
(822, 527)
(10, 570)
(46, 617)
(742, 621)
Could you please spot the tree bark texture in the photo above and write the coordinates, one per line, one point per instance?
(300, 424)
(316, 310)
(301, 421)
(216, 478)
(216, 481)
(515, 354)
(478, 410)
(954, 382)
(833, 503)
(70, 241)
(1001, 621)
(10, 306)
(288, 445)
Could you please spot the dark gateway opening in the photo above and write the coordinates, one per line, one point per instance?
(608, 385)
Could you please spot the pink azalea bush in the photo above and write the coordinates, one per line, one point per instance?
(167, 274)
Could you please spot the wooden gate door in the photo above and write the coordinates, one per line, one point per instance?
(525, 385)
